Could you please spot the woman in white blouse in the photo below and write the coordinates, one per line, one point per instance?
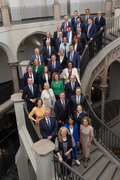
(48, 98)
(70, 70)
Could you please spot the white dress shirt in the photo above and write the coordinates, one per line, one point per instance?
(70, 38)
(31, 74)
(62, 101)
(46, 77)
(61, 60)
(87, 17)
(31, 87)
(78, 25)
(49, 49)
(54, 64)
(75, 47)
(71, 131)
(78, 98)
(47, 120)
(72, 56)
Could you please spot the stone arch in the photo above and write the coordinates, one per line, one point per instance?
(7, 50)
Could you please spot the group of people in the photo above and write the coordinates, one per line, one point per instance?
(52, 89)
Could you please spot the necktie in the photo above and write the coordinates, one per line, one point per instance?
(48, 52)
(31, 90)
(88, 31)
(39, 59)
(98, 19)
(73, 86)
(53, 65)
(65, 26)
(65, 49)
(79, 36)
(68, 36)
(60, 41)
(63, 105)
(49, 123)
(71, 56)
(30, 75)
(50, 98)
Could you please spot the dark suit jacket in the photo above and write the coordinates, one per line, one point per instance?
(73, 103)
(63, 26)
(27, 95)
(92, 32)
(55, 35)
(79, 48)
(101, 23)
(83, 39)
(57, 44)
(73, 21)
(52, 42)
(60, 113)
(31, 62)
(64, 62)
(78, 119)
(25, 77)
(43, 81)
(66, 34)
(57, 69)
(46, 131)
(45, 53)
(82, 26)
(69, 91)
(76, 59)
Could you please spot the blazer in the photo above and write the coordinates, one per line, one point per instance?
(85, 21)
(66, 35)
(75, 132)
(64, 62)
(39, 71)
(42, 81)
(57, 89)
(52, 42)
(45, 53)
(67, 48)
(100, 23)
(74, 72)
(46, 98)
(60, 113)
(55, 35)
(63, 25)
(92, 31)
(57, 69)
(33, 58)
(27, 95)
(69, 91)
(73, 103)
(79, 48)
(26, 76)
(73, 21)
(46, 131)
(82, 26)
(57, 44)
(76, 59)
(79, 118)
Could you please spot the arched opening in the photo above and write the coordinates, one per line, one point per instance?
(27, 46)
(5, 77)
(95, 90)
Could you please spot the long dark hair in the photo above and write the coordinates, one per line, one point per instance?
(70, 117)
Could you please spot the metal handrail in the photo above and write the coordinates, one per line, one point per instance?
(74, 173)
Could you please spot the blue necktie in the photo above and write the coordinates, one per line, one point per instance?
(31, 90)
(68, 36)
(71, 56)
(48, 53)
(49, 123)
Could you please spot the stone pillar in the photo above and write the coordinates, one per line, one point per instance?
(103, 91)
(5, 14)
(56, 11)
(44, 159)
(24, 65)
(108, 8)
(13, 66)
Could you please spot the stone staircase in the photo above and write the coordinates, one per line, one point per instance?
(99, 167)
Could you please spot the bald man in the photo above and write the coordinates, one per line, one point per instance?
(65, 24)
(36, 55)
(56, 33)
(100, 23)
(48, 38)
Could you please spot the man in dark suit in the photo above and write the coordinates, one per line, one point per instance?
(100, 23)
(48, 126)
(36, 55)
(54, 66)
(87, 16)
(28, 74)
(73, 19)
(65, 24)
(79, 24)
(52, 41)
(30, 93)
(56, 33)
(62, 111)
(69, 35)
(91, 32)
(47, 52)
(58, 41)
(70, 87)
(74, 57)
(79, 98)
(82, 37)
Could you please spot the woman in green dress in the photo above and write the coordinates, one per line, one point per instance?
(57, 85)
(37, 68)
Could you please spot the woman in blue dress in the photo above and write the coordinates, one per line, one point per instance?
(72, 128)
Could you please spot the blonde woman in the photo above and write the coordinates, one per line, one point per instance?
(62, 58)
(37, 68)
(64, 145)
(48, 98)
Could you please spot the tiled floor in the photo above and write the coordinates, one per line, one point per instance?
(12, 174)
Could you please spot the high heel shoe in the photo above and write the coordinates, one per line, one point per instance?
(85, 166)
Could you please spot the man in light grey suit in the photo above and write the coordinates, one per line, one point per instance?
(87, 16)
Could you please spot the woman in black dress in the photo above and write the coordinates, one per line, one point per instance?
(45, 77)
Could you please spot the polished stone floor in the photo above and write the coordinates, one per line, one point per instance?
(12, 174)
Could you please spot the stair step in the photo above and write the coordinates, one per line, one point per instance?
(108, 172)
(94, 157)
(116, 175)
(97, 168)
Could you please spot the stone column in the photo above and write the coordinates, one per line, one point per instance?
(108, 8)
(103, 91)
(5, 14)
(24, 65)
(13, 66)
(44, 159)
(56, 11)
